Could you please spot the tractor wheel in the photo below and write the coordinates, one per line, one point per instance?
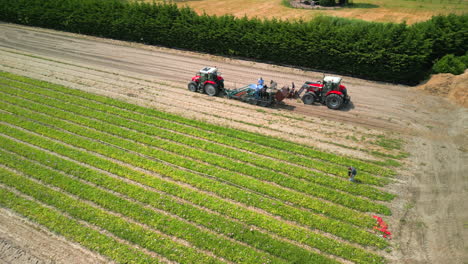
(334, 101)
(192, 86)
(308, 99)
(211, 89)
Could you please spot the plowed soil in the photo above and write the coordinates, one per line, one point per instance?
(430, 214)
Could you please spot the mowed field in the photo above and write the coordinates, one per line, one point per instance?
(112, 176)
(411, 11)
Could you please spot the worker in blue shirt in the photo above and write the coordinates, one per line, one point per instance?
(260, 82)
(258, 89)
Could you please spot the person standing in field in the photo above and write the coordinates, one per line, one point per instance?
(351, 173)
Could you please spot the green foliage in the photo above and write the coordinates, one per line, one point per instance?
(389, 143)
(447, 34)
(450, 64)
(464, 59)
(286, 3)
(380, 51)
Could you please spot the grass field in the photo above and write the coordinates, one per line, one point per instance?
(142, 186)
(411, 11)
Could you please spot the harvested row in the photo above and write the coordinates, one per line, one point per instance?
(256, 139)
(107, 79)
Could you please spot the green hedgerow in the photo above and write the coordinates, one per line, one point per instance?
(450, 64)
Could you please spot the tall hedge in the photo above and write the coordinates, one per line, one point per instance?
(379, 51)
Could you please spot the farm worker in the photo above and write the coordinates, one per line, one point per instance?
(272, 88)
(260, 82)
(293, 91)
(352, 173)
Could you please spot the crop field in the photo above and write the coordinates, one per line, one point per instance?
(142, 186)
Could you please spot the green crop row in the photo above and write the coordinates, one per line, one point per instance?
(82, 211)
(203, 168)
(270, 142)
(212, 221)
(268, 223)
(70, 228)
(341, 229)
(160, 127)
(153, 129)
(207, 157)
(166, 224)
(150, 133)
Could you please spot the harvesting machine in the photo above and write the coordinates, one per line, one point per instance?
(208, 80)
(258, 94)
(328, 91)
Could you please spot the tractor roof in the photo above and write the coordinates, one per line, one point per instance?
(208, 70)
(332, 79)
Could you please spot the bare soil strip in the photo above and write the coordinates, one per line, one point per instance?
(202, 106)
(26, 242)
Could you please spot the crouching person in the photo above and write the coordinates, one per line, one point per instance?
(352, 173)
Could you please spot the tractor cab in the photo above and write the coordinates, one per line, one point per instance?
(208, 73)
(207, 80)
(330, 83)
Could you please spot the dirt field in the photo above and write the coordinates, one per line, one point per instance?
(430, 216)
(369, 10)
(449, 85)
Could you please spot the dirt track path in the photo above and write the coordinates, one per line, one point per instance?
(27, 243)
(430, 215)
(377, 105)
(433, 222)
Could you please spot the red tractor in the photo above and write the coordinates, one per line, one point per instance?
(329, 92)
(208, 81)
